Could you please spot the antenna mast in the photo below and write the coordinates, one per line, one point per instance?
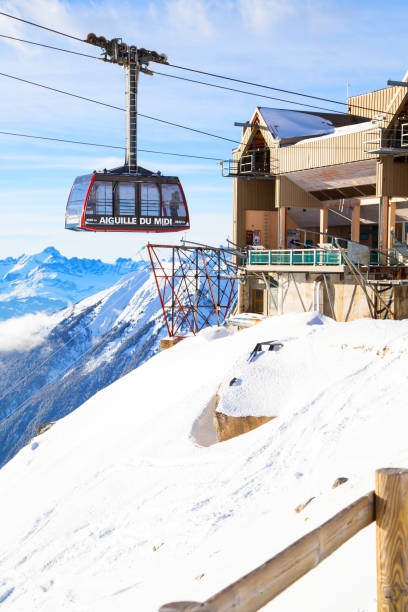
(134, 61)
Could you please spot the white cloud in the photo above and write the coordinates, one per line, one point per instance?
(25, 333)
(191, 18)
(265, 15)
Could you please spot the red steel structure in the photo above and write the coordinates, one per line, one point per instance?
(197, 285)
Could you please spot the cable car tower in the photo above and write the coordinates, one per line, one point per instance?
(134, 61)
(129, 198)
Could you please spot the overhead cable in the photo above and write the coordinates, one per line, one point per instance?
(288, 91)
(37, 44)
(40, 26)
(67, 93)
(94, 144)
(248, 93)
(218, 76)
(174, 76)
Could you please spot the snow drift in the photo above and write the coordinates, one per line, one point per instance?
(117, 507)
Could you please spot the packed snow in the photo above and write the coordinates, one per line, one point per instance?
(284, 123)
(118, 507)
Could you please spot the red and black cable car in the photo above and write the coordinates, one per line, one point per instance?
(115, 201)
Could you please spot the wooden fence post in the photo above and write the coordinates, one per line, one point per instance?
(391, 489)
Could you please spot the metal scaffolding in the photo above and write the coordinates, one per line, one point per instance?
(197, 285)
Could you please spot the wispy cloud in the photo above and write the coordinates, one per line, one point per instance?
(25, 333)
(265, 15)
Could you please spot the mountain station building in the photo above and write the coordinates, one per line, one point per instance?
(320, 209)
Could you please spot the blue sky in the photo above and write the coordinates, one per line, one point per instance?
(311, 46)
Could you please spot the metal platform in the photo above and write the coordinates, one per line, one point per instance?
(254, 164)
(384, 142)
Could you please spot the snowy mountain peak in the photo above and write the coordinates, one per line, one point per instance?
(48, 281)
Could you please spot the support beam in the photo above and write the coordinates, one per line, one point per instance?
(282, 227)
(355, 223)
(383, 223)
(324, 224)
(391, 223)
(391, 493)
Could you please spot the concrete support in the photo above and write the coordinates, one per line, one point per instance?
(282, 227)
(355, 223)
(324, 224)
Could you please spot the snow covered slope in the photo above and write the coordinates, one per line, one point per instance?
(51, 364)
(48, 281)
(118, 508)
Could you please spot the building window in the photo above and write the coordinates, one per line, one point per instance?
(258, 301)
(253, 238)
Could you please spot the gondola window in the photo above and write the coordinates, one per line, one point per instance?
(173, 205)
(100, 199)
(149, 200)
(126, 197)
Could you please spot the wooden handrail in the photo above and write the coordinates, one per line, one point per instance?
(261, 585)
(388, 506)
(254, 590)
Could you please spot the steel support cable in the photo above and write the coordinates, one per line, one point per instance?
(42, 27)
(67, 93)
(173, 76)
(288, 91)
(94, 144)
(218, 76)
(248, 93)
(37, 44)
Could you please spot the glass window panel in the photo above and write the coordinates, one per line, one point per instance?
(149, 200)
(100, 199)
(173, 205)
(76, 199)
(126, 198)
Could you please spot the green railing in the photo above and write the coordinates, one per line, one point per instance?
(387, 257)
(294, 257)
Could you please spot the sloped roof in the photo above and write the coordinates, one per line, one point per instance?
(289, 124)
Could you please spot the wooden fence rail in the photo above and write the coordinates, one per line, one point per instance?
(387, 505)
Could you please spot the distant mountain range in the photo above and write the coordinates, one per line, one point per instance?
(83, 347)
(48, 281)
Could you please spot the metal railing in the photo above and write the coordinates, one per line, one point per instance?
(316, 257)
(384, 141)
(386, 257)
(257, 164)
(295, 257)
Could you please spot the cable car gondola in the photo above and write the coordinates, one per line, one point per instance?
(129, 198)
(114, 201)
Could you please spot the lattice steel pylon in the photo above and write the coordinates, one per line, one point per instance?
(197, 285)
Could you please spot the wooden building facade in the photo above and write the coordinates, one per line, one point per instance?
(320, 208)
